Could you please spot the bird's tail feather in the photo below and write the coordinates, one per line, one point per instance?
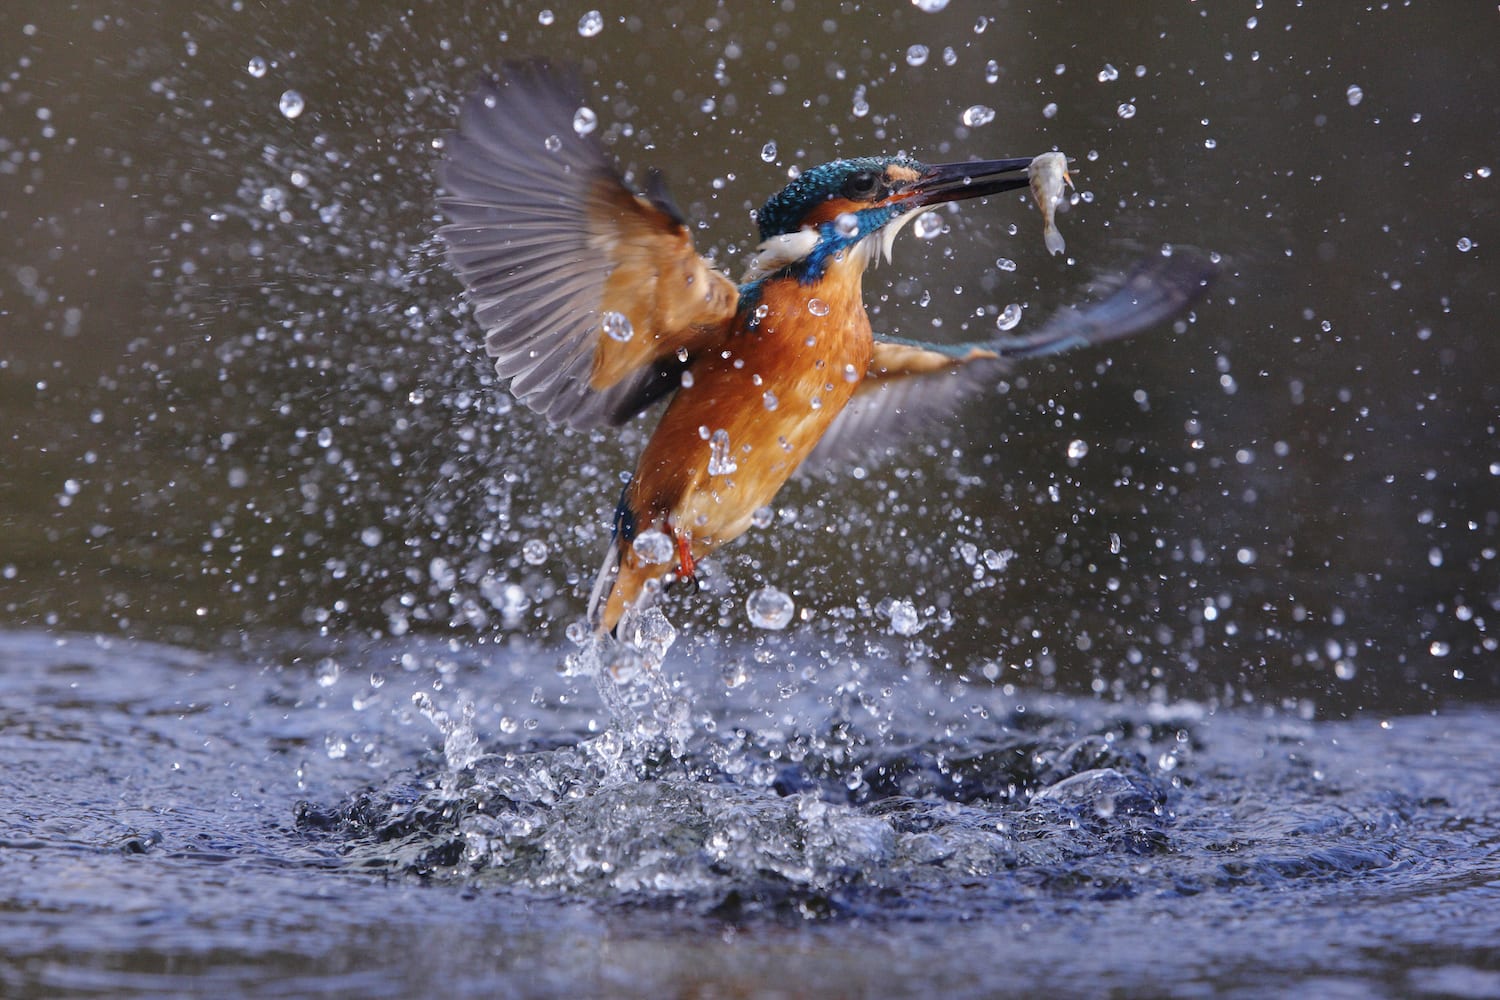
(604, 585)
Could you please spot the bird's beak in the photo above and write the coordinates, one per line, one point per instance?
(973, 179)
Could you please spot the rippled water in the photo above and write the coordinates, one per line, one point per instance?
(383, 819)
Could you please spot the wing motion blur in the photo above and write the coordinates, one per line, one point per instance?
(912, 384)
(591, 296)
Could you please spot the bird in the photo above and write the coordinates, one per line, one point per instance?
(596, 307)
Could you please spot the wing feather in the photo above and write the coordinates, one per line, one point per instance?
(910, 384)
(547, 240)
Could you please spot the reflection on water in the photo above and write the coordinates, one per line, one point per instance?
(394, 815)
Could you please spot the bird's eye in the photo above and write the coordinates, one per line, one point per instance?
(863, 186)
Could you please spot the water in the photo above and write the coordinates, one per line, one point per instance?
(287, 705)
(227, 822)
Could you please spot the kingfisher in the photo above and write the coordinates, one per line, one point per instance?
(597, 308)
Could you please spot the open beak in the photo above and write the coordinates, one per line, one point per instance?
(973, 179)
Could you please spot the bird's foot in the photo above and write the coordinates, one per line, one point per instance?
(687, 568)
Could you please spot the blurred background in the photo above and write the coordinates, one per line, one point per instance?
(240, 397)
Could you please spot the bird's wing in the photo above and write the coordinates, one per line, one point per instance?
(910, 384)
(586, 291)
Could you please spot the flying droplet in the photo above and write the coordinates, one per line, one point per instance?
(553, 143)
(1049, 110)
(1108, 74)
(817, 307)
(591, 24)
(720, 460)
(545, 17)
(1465, 244)
(904, 618)
(1354, 94)
(1005, 264)
(928, 225)
(847, 224)
(768, 152)
(991, 72)
(292, 104)
(977, 115)
(769, 608)
(916, 55)
(617, 327)
(653, 547)
(1009, 318)
(1126, 110)
(534, 552)
(257, 67)
(769, 400)
(585, 121)
(1077, 449)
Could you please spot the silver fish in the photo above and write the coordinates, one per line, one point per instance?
(1048, 173)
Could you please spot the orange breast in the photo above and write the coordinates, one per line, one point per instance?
(755, 409)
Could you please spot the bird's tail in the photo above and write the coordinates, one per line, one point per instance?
(1157, 288)
(604, 585)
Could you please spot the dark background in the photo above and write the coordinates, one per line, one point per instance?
(239, 395)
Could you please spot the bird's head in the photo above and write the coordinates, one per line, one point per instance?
(856, 207)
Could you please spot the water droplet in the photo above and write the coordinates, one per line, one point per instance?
(1005, 264)
(929, 6)
(904, 618)
(371, 536)
(292, 104)
(769, 400)
(1126, 110)
(817, 307)
(653, 547)
(1009, 317)
(769, 608)
(1108, 74)
(916, 55)
(585, 121)
(1483, 171)
(617, 327)
(545, 17)
(1465, 244)
(553, 143)
(591, 24)
(768, 152)
(763, 517)
(1439, 648)
(847, 224)
(1077, 449)
(1354, 94)
(1049, 110)
(720, 461)
(928, 225)
(534, 552)
(977, 115)
(257, 67)
(991, 71)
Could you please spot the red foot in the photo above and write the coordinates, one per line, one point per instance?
(686, 568)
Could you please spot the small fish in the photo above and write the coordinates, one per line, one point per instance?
(1048, 173)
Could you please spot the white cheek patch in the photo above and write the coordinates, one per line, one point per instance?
(779, 251)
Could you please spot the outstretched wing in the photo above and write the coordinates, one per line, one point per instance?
(911, 384)
(586, 292)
